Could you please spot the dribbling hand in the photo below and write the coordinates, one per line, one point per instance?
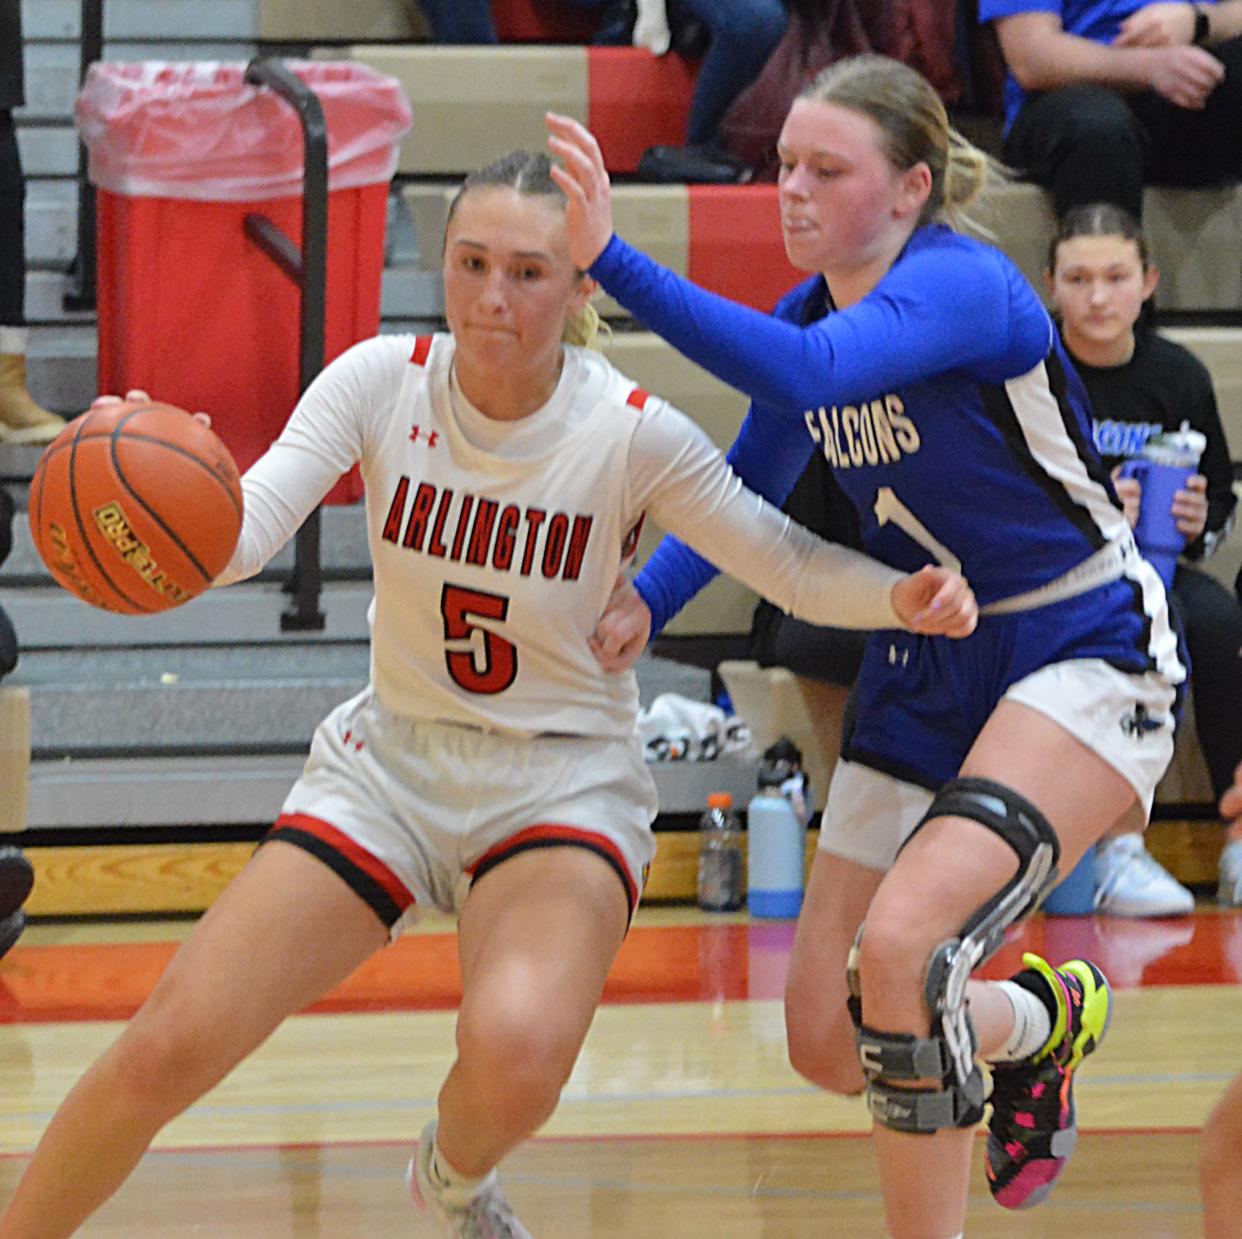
(137, 394)
(936, 602)
(622, 632)
(588, 211)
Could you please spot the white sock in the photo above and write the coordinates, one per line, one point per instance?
(457, 1188)
(1032, 1025)
(13, 341)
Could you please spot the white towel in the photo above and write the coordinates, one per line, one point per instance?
(674, 728)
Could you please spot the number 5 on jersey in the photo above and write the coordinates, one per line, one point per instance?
(477, 659)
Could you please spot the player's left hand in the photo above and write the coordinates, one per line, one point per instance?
(1190, 507)
(936, 602)
(1161, 24)
(584, 179)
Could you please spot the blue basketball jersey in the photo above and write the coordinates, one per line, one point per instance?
(954, 422)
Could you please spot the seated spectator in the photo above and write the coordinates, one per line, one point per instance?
(16, 874)
(741, 35)
(1140, 384)
(1104, 96)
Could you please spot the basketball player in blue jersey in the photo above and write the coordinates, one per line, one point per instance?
(922, 365)
(491, 766)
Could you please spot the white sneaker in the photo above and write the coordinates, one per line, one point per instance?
(1129, 881)
(487, 1215)
(1230, 890)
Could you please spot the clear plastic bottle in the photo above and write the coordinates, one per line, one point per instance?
(720, 856)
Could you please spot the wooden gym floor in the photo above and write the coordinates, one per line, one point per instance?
(682, 1118)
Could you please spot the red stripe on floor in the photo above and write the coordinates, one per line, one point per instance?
(657, 964)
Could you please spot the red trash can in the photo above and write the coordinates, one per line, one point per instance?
(189, 308)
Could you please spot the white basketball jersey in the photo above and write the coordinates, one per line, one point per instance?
(490, 574)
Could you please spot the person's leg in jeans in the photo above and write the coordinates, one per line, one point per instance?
(460, 21)
(1082, 142)
(744, 34)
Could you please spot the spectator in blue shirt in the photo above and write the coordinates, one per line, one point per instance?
(1106, 96)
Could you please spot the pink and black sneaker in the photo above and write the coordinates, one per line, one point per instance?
(1034, 1125)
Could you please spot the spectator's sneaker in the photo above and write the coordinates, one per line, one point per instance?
(1034, 1125)
(1230, 890)
(16, 879)
(1129, 881)
(10, 930)
(487, 1215)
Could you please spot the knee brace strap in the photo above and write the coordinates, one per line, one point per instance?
(948, 1053)
(891, 1057)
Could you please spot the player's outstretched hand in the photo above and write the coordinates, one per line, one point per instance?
(936, 602)
(584, 179)
(622, 632)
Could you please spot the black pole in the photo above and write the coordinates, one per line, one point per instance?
(309, 271)
(80, 289)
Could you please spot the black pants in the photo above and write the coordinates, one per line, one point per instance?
(1212, 618)
(820, 653)
(12, 226)
(1090, 143)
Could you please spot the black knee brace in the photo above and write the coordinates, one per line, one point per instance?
(948, 1054)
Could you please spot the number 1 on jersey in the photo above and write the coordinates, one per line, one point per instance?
(889, 508)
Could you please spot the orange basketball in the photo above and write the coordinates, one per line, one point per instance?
(136, 507)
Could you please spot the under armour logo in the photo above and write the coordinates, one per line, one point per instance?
(896, 656)
(432, 436)
(1140, 722)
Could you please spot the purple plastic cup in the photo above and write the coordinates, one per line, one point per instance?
(1168, 461)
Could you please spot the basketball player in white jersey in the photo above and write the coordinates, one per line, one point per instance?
(491, 765)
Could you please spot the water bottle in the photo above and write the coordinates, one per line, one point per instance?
(1168, 460)
(720, 856)
(776, 834)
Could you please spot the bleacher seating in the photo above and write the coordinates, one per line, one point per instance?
(470, 104)
(474, 103)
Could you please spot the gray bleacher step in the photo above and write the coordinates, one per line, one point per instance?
(45, 300)
(48, 618)
(53, 68)
(253, 697)
(175, 20)
(183, 697)
(342, 537)
(61, 366)
(146, 792)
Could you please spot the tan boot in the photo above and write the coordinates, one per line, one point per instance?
(21, 419)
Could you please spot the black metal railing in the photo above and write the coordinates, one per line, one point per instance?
(308, 269)
(80, 290)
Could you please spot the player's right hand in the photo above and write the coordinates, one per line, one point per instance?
(623, 629)
(937, 602)
(136, 394)
(584, 178)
